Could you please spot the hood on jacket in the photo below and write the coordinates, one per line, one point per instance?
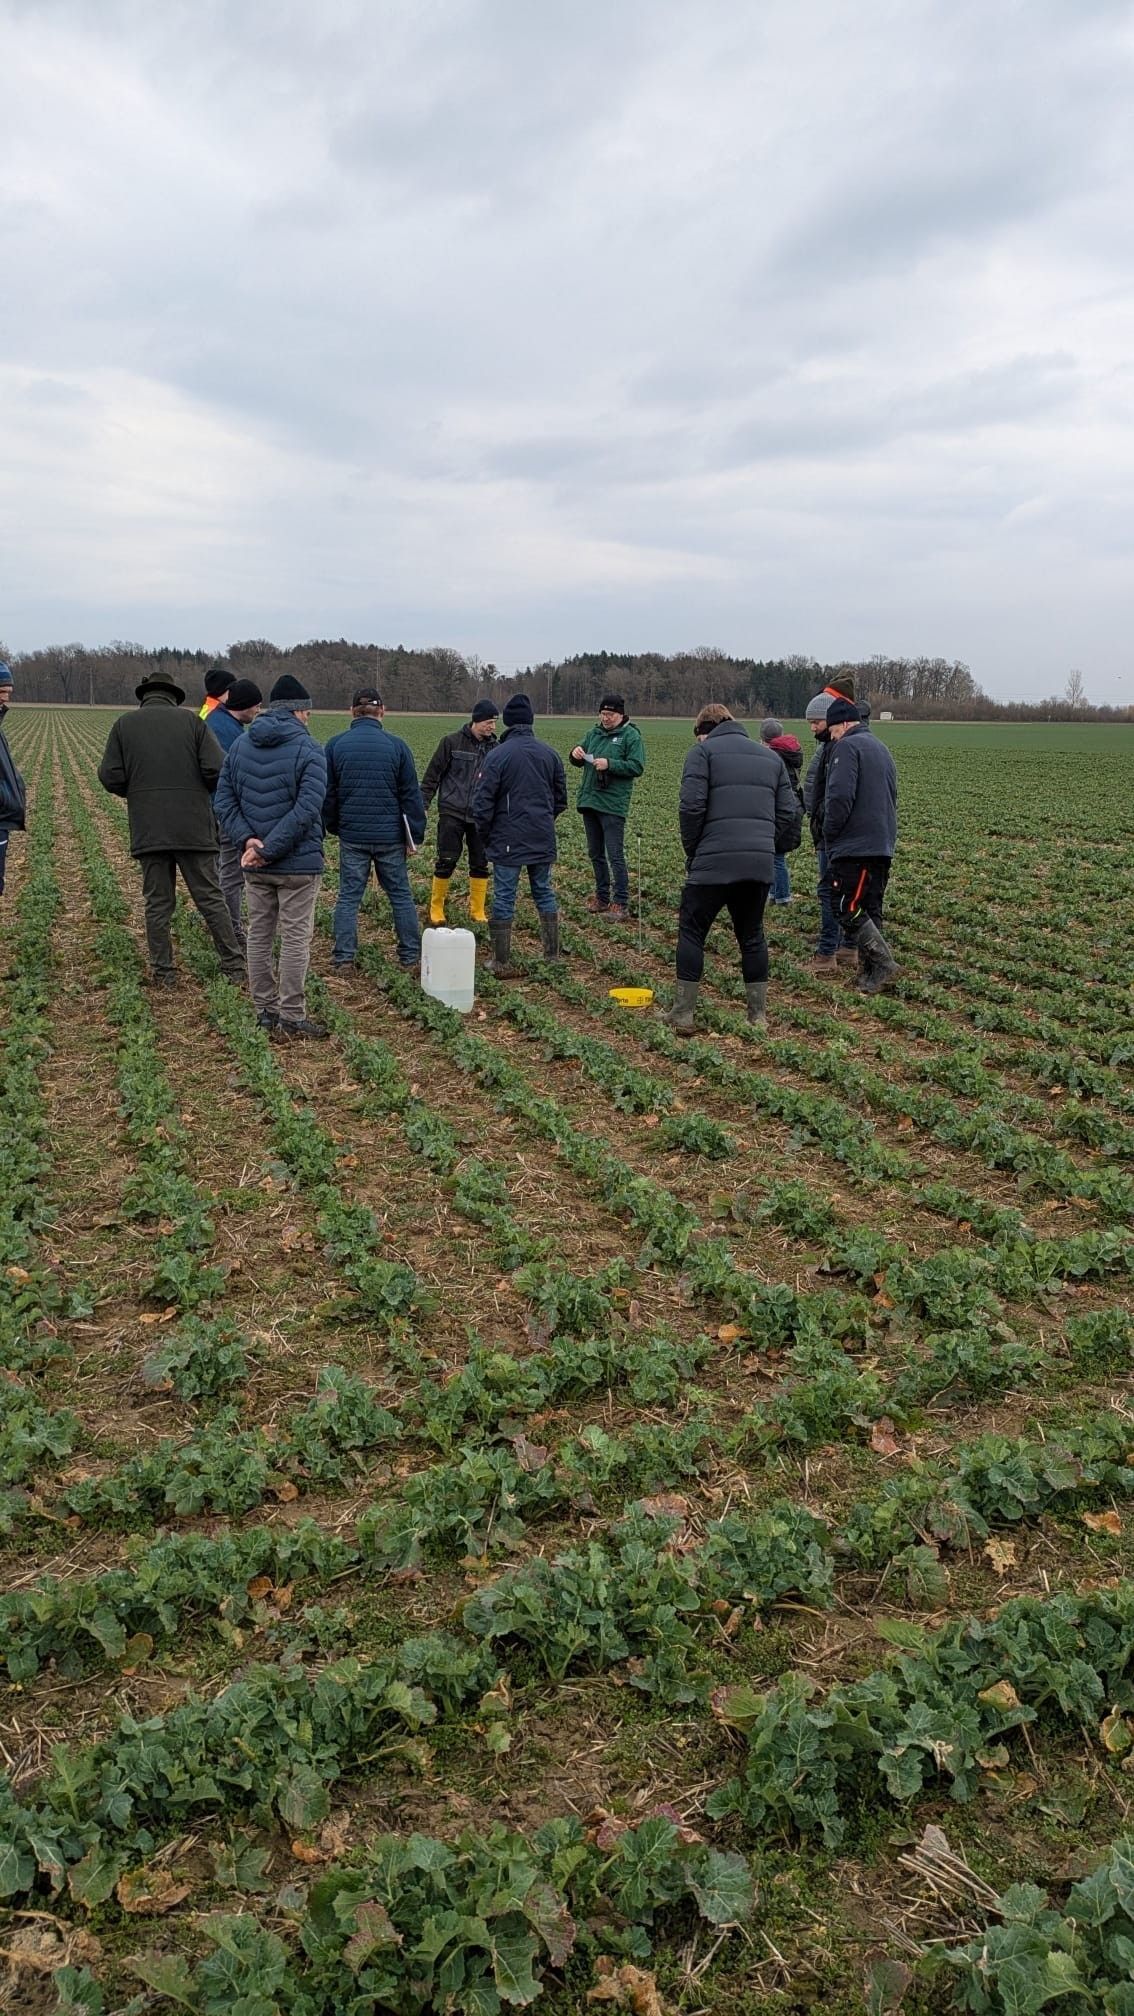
(267, 731)
(785, 745)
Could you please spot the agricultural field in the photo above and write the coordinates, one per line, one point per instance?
(521, 1509)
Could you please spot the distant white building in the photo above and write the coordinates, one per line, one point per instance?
(885, 717)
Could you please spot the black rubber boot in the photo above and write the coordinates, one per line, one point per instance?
(878, 962)
(680, 1016)
(549, 932)
(501, 962)
(756, 995)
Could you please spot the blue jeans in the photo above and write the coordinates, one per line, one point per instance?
(505, 887)
(389, 864)
(781, 879)
(606, 834)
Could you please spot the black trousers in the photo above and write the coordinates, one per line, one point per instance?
(858, 889)
(159, 893)
(453, 833)
(701, 905)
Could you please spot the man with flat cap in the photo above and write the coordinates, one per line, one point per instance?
(166, 765)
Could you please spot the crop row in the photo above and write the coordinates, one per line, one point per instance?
(986, 1130)
(947, 1289)
(160, 1191)
(487, 1497)
(32, 1302)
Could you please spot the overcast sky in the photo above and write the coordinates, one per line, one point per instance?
(532, 326)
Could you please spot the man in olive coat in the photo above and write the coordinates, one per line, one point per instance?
(166, 764)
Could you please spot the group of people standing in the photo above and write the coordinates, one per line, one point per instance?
(238, 797)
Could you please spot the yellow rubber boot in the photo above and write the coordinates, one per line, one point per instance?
(437, 896)
(478, 893)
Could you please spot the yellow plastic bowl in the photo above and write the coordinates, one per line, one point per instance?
(632, 997)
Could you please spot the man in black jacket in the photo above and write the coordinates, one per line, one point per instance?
(833, 949)
(452, 777)
(737, 812)
(13, 798)
(860, 832)
(521, 794)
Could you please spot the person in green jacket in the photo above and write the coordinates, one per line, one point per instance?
(611, 756)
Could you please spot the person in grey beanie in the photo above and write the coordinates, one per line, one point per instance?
(270, 805)
(833, 948)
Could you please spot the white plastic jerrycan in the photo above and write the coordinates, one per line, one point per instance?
(448, 966)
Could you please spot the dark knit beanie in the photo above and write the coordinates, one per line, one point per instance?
(485, 710)
(519, 712)
(217, 682)
(615, 702)
(770, 728)
(242, 693)
(287, 693)
(5, 673)
(842, 710)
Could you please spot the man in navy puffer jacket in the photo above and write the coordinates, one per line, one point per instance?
(269, 802)
(374, 804)
(521, 793)
(860, 832)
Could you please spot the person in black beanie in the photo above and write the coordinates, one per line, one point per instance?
(239, 707)
(610, 756)
(860, 831)
(521, 793)
(270, 805)
(217, 683)
(452, 777)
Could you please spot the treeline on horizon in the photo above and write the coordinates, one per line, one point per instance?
(441, 681)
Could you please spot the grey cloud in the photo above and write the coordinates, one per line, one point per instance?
(531, 325)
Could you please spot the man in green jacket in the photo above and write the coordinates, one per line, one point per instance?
(166, 764)
(611, 756)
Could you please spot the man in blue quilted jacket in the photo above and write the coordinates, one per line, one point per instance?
(521, 793)
(269, 802)
(374, 804)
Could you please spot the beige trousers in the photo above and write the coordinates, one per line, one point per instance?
(283, 904)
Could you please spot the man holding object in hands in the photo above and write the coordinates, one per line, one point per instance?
(612, 755)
